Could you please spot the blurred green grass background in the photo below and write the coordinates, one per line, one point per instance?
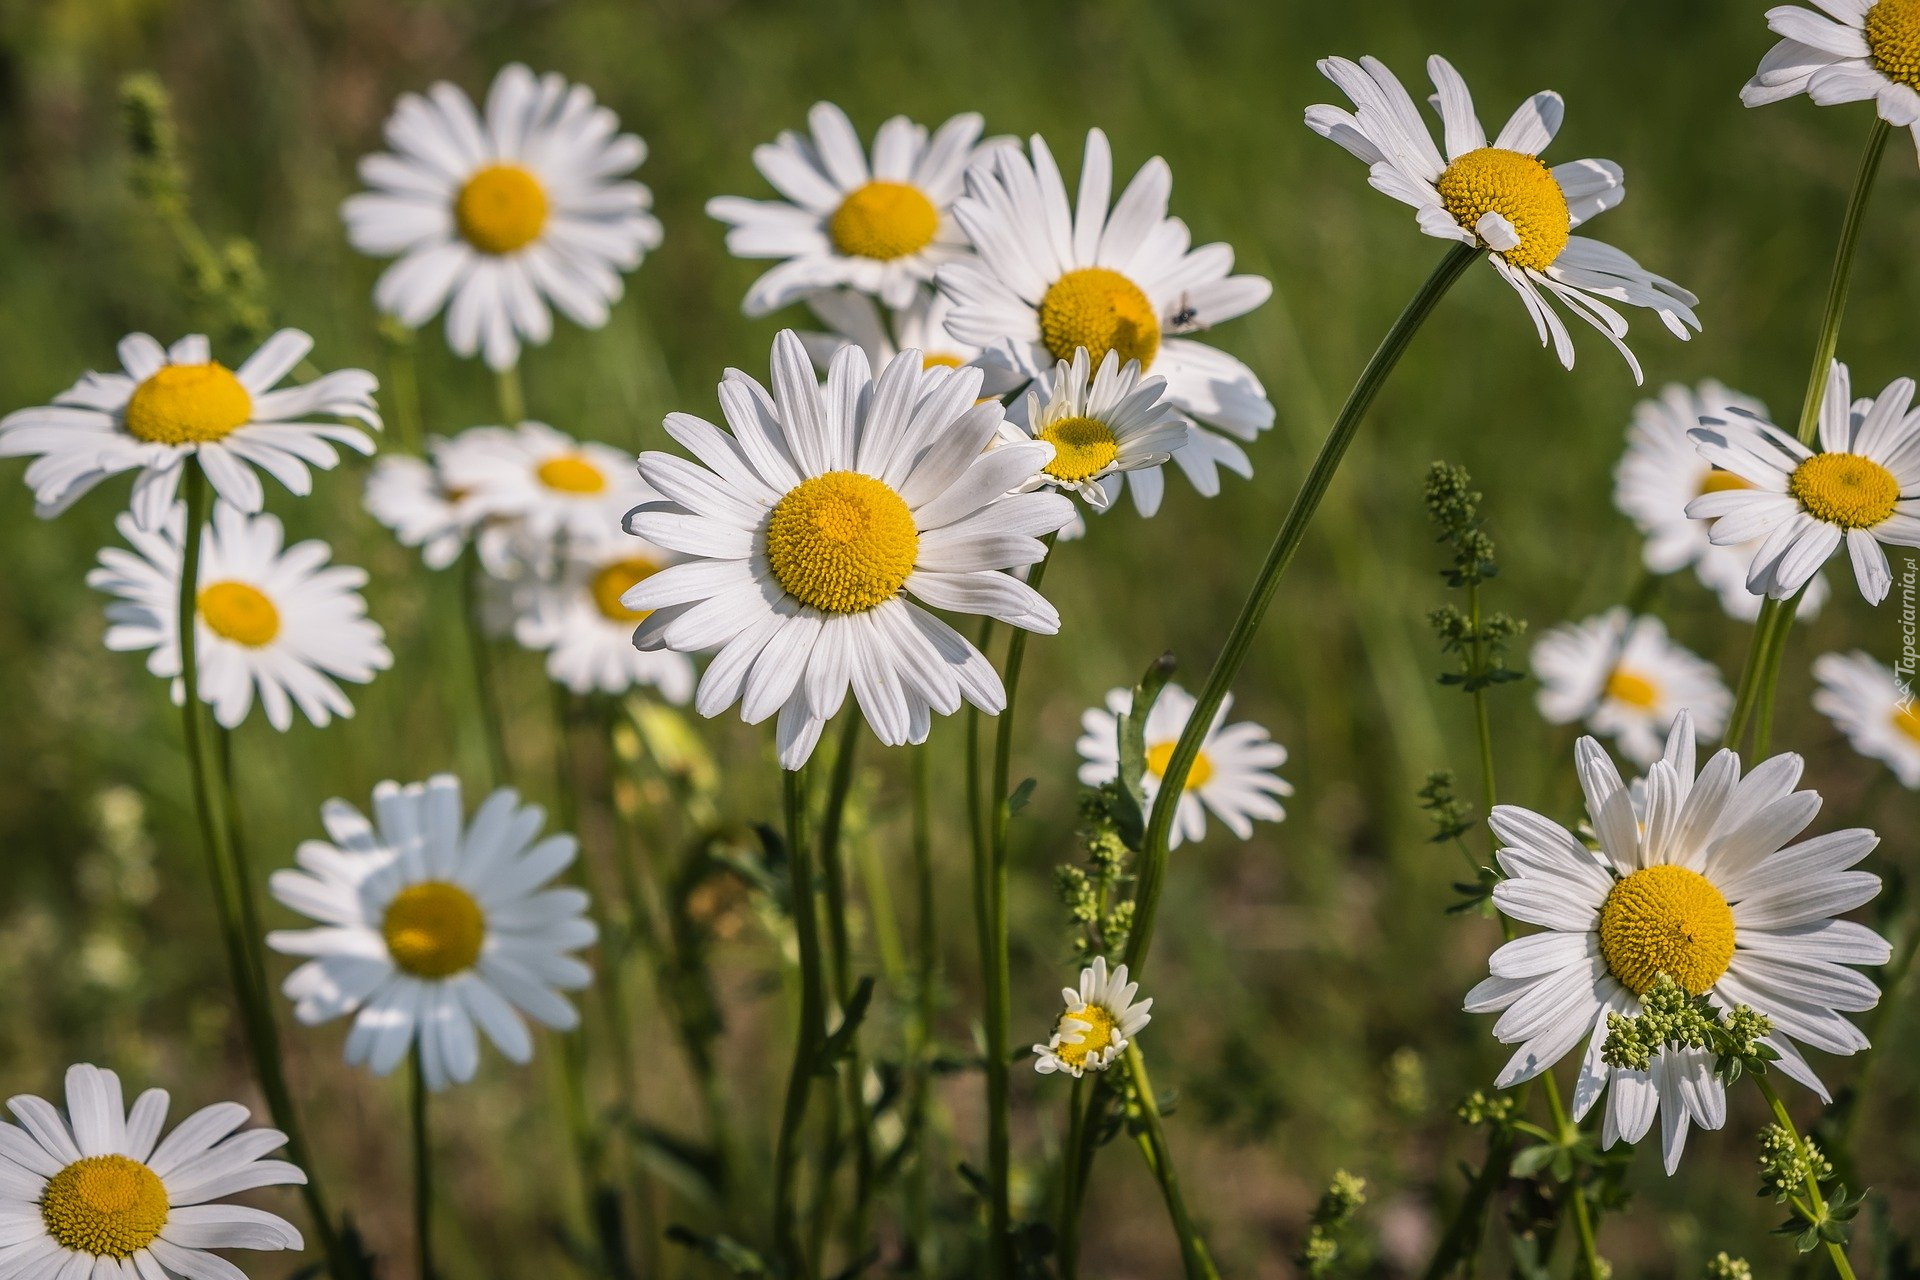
(1307, 983)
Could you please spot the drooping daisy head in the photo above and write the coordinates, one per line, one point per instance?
(1847, 51)
(1869, 703)
(1233, 776)
(810, 524)
(270, 619)
(578, 618)
(99, 1192)
(1706, 890)
(538, 490)
(173, 405)
(1862, 488)
(1622, 676)
(1101, 1019)
(1105, 428)
(496, 216)
(1500, 197)
(882, 228)
(1053, 276)
(432, 926)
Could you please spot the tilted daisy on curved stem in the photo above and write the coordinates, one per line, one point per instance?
(808, 527)
(1499, 196)
(172, 407)
(1106, 429)
(497, 216)
(99, 1192)
(1053, 276)
(1706, 890)
(1848, 51)
(1101, 1019)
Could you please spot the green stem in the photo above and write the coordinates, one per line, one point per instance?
(926, 979)
(1240, 639)
(1068, 1233)
(833, 873)
(1193, 1249)
(480, 651)
(999, 1207)
(422, 1171)
(811, 1030)
(1483, 731)
(1893, 979)
(513, 400)
(1817, 1201)
(1577, 1198)
(403, 393)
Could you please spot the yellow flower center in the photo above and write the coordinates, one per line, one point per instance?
(240, 613)
(1718, 481)
(188, 404)
(941, 359)
(572, 473)
(1082, 448)
(1160, 752)
(105, 1205)
(1846, 489)
(1518, 188)
(502, 208)
(1893, 40)
(616, 580)
(1635, 690)
(1099, 1035)
(1666, 920)
(842, 542)
(1907, 720)
(1102, 311)
(883, 220)
(434, 929)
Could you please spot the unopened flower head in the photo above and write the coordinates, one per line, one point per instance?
(1100, 1020)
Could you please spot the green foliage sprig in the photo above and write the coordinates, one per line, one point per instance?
(1478, 641)
(1331, 1218)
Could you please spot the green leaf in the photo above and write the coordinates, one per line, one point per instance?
(839, 1045)
(1021, 797)
(1133, 728)
(724, 1251)
(1532, 1160)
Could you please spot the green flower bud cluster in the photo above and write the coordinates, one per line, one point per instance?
(1478, 640)
(1092, 889)
(1331, 1217)
(1478, 1109)
(1722, 1267)
(1783, 1170)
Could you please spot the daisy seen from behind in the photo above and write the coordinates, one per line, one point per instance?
(1873, 708)
(500, 216)
(817, 528)
(1233, 776)
(1106, 429)
(1500, 197)
(882, 228)
(100, 1192)
(434, 928)
(1861, 488)
(171, 406)
(1101, 1019)
(577, 619)
(1708, 891)
(273, 621)
(1623, 676)
(1052, 276)
(1844, 51)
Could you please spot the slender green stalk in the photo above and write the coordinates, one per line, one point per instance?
(999, 1206)
(809, 1035)
(1193, 1249)
(1565, 1132)
(926, 988)
(513, 400)
(1240, 639)
(1893, 981)
(1814, 1198)
(480, 651)
(403, 390)
(422, 1170)
(1483, 730)
(1068, 1234)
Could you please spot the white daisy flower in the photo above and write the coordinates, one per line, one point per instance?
(1053, 277)
(431, 927)
(405, 494)
(1622, 676)
(1707, 891)
(503, 214)
(1232, 776)
(1501, 198)
(1849, 51)
(883, 333)
(578, 619)
(171, 405)
(271, 618)
(1102, 1018)
(1867, 702)
(883, 230)
(1106, 428)
(1863, 488)
(539, 488)
(1662, 471)
(98, 1192)
(810, 524)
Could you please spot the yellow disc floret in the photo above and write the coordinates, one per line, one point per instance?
(842, 542)
(1907, 720)
(940, 359)
(1082, 448)
(108, 1206)
(884, 220)
(572, 473)
(1846, 489)
(1161, 752)
(1893, 40)
(1666, 920)
(614, 581)
(1718, 481)
(238, 612)
(1633, 689)
(188, 404)
(501, 208)
(1102, 311)
(1518, 188)
(434, 929)
(1099, 1035)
